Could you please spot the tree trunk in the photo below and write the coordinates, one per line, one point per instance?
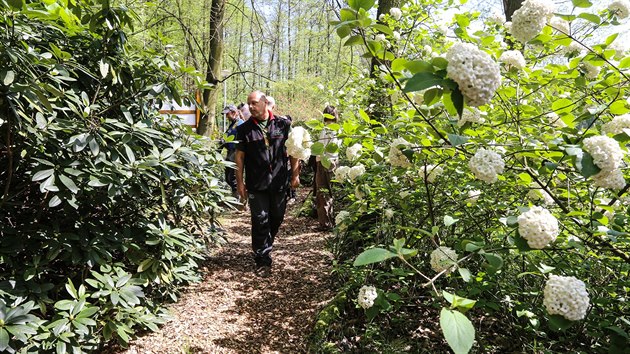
(382, 104)
(207, 123)
(509, 6)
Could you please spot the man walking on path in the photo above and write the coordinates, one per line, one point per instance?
(232, 114)
(261, 152)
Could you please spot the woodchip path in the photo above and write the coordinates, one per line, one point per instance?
(235, 311)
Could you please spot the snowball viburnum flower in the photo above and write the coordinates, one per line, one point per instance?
(389, 213)
(395, 13)
(299, 143)
(432, 172)
(470, 115)
(610, 179)
(605, 151)
(513, 58)
(555, 120)
(367, 295)
(566, 296)
(356, 171)
(396, 35)
(559, 25)
(341, 173)
(529, 20)
(538, 227)
(353, 152)
(380, 37)
(443, 258)
(617, 125)
(621, 8)
(476, 73)
(590, 71)
(486, 165)
(396, 157)
(473, 195)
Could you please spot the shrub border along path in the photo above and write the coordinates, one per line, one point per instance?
(235, 311)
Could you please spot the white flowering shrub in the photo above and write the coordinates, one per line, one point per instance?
(620, 8)
(529, 20)
(476, 73)
(486, 165)
(367, 295)
(443, 259)
(566, 296)
(533, 164)
(538, 227)
(605, 151)
(299, 143)
(353, 152)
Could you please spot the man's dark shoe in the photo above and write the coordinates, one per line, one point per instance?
(263, 271)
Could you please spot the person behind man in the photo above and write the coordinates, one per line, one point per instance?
(233, 115)
(262, 154)
(323, 175)
(244, 111)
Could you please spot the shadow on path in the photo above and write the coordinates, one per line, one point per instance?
(235, 311)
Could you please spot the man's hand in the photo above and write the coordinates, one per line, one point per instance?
(295, 181)
(242, 193)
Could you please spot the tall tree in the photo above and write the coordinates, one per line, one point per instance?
(213, 71)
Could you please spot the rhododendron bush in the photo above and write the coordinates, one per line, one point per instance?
(522, 231)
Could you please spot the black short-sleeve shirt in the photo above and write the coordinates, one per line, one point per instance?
(266, 159)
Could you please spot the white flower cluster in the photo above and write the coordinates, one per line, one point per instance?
(529, 20)
(537, 193)
(575, 49)
(355, 171)
(513, 58)
(432, 172)
(617, 125)
(605, 150)
(353, 152)
(380, 37)
(299, 143)
(555, 120)
(566, 296)
(473, 196)
(497, 17)
(538, 227)
(389, 213)
(367, 295)
(395, 13)
(443, 258)
(486, 165)
(396, 35)
(610, 179)
(470, 115)
(341, 173)
(396, 157)
(560, 25)
(590, 71)
(341, 217)
(621, 8)
(477, 75)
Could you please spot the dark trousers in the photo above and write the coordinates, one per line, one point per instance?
(230, 173)
(267, 210)
(323, 196)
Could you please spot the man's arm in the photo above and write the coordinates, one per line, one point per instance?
(295, 172)
(239, 158)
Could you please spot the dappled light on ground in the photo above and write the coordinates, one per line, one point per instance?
(235, 311)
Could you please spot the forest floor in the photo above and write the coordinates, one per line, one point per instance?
(234, 310)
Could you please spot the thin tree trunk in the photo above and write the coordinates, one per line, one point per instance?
(207, 123)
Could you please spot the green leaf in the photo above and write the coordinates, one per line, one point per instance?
(494, 260)
(619, 107)
(382, 28)
(581, 3)
(4, 339)
(458, 331)
(458, 101)
(373, 255)
(559, 323)
(8, 78)
(317, 148)
(589, 168)
(465, 274)
(456, 140)
(40, 175)
(423, 80)
(624, 63)
(68, 183)
(449, 220)
(344, 31)
(562, 105)
(361, 4)
(418, 66)
(16, 4)
(353, 40)
(590, 17)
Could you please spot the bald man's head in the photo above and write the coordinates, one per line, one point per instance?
(257, 102)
